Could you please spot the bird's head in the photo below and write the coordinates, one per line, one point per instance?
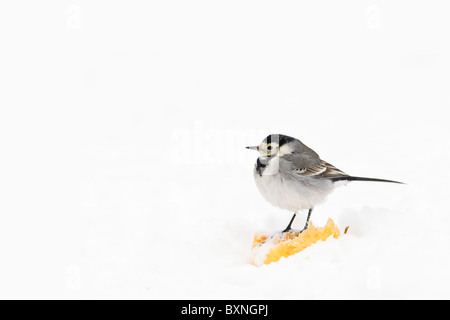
(273, 145)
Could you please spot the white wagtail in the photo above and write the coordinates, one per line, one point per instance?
(291, 176)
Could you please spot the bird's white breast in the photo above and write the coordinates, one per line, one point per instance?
(290, 192)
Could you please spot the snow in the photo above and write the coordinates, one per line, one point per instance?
(123, 129)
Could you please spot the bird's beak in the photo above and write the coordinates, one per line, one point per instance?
(253, 148)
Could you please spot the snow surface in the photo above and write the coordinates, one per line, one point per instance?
(123, 128)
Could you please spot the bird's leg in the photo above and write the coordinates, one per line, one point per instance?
(307, 220)
(288, 228)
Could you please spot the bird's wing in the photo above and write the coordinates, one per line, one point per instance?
(321, 170)
(310, 165)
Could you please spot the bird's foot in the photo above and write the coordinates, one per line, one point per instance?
(293, 231)
(287, 230)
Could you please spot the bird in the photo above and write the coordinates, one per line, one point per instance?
(292, 176)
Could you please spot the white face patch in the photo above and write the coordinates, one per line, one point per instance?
(268, 150)
(273, 149)
(285, 149)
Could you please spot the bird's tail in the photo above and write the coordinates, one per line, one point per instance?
(350, 178)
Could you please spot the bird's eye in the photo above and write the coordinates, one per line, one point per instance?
(269, 148)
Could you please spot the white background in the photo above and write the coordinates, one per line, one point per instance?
(123, 172)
